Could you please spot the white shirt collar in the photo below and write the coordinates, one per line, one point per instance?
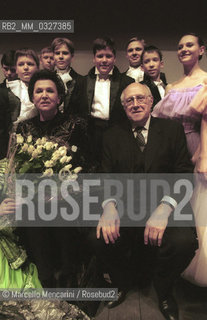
(98, 74)
(160, 82)
(146, 126)
(62, 71)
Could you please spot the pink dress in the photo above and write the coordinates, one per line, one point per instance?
(187, 106)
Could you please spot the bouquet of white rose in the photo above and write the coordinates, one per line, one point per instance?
(43, 157)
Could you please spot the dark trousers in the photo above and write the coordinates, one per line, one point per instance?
(168, 261)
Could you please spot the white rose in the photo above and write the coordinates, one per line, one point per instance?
(69, 158)
(77, 170)
(49, 163)
(68, 167)
(74, 148)
(62, 148)
(35, 154)
(20, 139)
(56, 155)
(38, 141)
(48, 172)
(63, 151)
(24, 147)
(29, 138)
(48, 145)
(63, 159)
(39, 149)
(30, 149)
(43, 140)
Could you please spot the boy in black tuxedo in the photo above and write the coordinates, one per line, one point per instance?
(151, 63)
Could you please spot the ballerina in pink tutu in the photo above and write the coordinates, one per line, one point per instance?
(186, 101)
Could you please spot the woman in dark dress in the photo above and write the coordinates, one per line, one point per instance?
(58, 248)
(46, 91)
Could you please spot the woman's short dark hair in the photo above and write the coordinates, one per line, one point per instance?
(47, 75)
(27, 52)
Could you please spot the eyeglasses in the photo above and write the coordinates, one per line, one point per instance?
(131, 100)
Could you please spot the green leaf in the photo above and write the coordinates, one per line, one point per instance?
(25, 168)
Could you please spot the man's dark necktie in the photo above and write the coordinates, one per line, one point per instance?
(140, 138)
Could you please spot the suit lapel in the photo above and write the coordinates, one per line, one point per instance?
(90, 90)
(154, 90)
(14, 104)
(73, 73)
(153, 143)
(70, 86)
(114, 88)
(131, 151)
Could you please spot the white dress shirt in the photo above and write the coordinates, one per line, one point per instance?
(101, 99)
(136, 73)
(20, 90)
(65, 76)
(160, 87)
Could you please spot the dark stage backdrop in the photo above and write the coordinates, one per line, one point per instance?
(159, 22)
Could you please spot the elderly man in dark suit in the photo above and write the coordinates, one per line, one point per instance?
(144, 144)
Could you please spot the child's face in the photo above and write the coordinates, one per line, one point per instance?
(47, 60)
(9, 72)
(134, 52)
(26, 67)
(151, 65)
(62, 57)
(104, 60)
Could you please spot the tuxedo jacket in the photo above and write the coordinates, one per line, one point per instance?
(3, 84)
(86, 92)
(71, 98)
(5, 122)
(153, 88)
(9, 98)
(13, 103)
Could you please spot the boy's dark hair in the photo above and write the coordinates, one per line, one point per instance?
(135, 39)
(27, 52)
(103, 43)
(47, 75)
(60, 41)
(8, 58)
(151, 48)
